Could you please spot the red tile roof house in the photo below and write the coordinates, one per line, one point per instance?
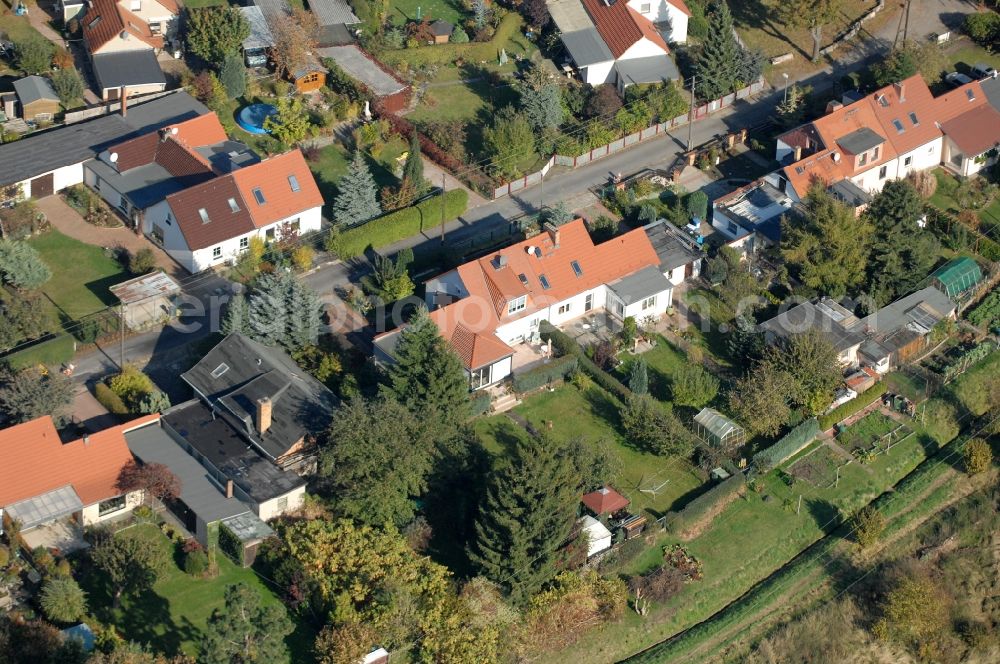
(44, 481)
(488, 306)
(123, 39)
(202, 196)
(621, 42)
(893, 131)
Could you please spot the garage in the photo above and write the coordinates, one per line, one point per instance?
(43, 186)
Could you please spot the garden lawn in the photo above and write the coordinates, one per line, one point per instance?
(81, 274)
(334, 161)
(593, 416)
(174, 614)
(759, 24)
(751, 538)
(401, 11)
(663, 361)
(969, 55)
(944, 198)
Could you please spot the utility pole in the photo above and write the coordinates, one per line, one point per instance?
(121, 325)
(906, 22)
(442, 206)
(691, 116)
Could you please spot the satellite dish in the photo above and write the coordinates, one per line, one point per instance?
(113, 157)
(174, 130)
(530, 249)
(836, 157)
(124, 34)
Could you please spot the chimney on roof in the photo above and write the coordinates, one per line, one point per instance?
(798, 152)
(264, 407)
(900, 90)
(229, 488)
(834, 106)
(124, 97)
(553, 232)
(86, 440)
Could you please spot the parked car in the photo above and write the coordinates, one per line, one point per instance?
(956, 79)
(981, 71)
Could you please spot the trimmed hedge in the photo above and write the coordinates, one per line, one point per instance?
(400, 224)
(788, 446)
(859, 402)
(566, 346)
(107, 398)
(545, 374)
(52, 352)
(446, 54)
(702, 506)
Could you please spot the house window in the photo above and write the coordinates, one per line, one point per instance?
(645, 8)
(216, 253)
(649, 303)
(914, 120)
(111, 505)
(958, 159)
(269, 234)
(282, 503)
(577, 270)
(908, 160)
(544, 281)
(203, 213)
(168, 220)
(899, 126)
(863, 159)
(875, 154)
(233, 205)
(122, 204)
(479, 378)
(244, 242)
(293, 182)
(517, 304)
(882, 172)
(97, 184)
(564, 308)
(731, 228)
(259, 195)
(294, 226)
(588, 302)
(154, 28)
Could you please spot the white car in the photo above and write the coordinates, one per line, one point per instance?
(982, 71)
(956, 79)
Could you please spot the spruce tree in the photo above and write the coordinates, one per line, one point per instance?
(721, 57)
(526, 517)
(428, 377)
(638, 378)
(237, 312)
(282, 311)
(356, 199)
(233, 76)
(413, 170)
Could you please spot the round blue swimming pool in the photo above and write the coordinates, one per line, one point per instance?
(252, 117)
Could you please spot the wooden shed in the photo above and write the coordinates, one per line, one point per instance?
(36, 98)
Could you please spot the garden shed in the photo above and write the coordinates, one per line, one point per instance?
(147, 300)
(957, 276)
(240, 537)
(716, 429)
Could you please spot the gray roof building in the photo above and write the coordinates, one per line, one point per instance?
(642, 284)
(241, 379)
(652, 69)
(836, 323)
(127, 69)
(358, 66)
(45, 151)
(34, 88)
(918, 312)
(333, 17)
(586, 47)
(860, 140)
(673, 246)
(260, 32)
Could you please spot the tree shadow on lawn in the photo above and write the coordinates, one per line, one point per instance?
(826, 515)
(606, 407)
(101, 288)
(756, 15)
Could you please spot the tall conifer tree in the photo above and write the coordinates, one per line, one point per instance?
(356, 199)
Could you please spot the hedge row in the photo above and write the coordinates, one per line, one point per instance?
(446, 54)
(400, 224)
(565, 345)
(788, 446)
(701, 507)
(545, 374)
(52, 352)
(859, 402)
(107, 398)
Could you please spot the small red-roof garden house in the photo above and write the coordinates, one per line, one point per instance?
(605, 501)
(54, 488)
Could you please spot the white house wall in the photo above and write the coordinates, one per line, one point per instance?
(521, 329)
(922, 158)
(598, 73)
(135, 90)
(62, 177)
(271, 508)
(664, 299)
(91, 514)
(642, 49)
(660, 12)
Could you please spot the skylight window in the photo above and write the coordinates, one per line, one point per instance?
(544, 281)
(883, 102)
(524, 279)
(899, 126)
(970, 94)
(233, 205)
(97, 19)
(914, 120)
(293, 182)
(259, 195)
(219, 370)
(203, 213)
(577, 270)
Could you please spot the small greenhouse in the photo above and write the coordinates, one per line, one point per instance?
(957, 276)
(716, 429)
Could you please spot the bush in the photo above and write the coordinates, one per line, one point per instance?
(703, 506)
(480, 403)
(859, 402)
(983, 28)
(445, 54)
(977, 456)
(110, 400)
(400, 224)
(4, 556)
(196, 562)
(142, 261)
(545, 374)
(788, 446)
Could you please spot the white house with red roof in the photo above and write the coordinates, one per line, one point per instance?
(45, 480)
(486, 307)
(621, 42)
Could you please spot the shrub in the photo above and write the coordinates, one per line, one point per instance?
(399, 224)
(868, 525)
(545, 374)
(844, 411)
(480, 403)
(444, 54)
(196, 562)
(4, 556)
(142, 261)
(983, 28)
(109, 399)
(977, 456)
(63, 600)
(131, 385)
(302, 257)
(787, 446)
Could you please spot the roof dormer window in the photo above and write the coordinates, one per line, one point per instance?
(259, 196)
(970, 94)
(293, 182)
(517, 304)
(233, 205)
(203, 213)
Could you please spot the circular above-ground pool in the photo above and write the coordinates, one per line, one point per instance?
(252, 117)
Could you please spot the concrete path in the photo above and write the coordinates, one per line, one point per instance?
(68, 221)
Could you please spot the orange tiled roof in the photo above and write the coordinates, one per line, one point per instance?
(271, 176)
(172, 147)
(620, 26)
(35, 461)
(976, 131)
(105, 20)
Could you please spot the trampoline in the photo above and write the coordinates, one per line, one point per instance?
(252, 117)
